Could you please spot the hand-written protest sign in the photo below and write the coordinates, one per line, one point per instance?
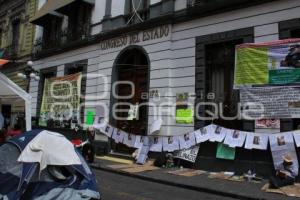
(188, 154)
(268, 63)
(278, 102)
(61, 98)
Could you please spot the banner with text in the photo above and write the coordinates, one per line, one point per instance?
(61, 99)
(271, 63)
(275, 102)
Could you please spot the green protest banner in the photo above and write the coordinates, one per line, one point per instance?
(225, 152)
(270, 63)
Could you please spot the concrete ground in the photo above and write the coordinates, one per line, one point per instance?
(148, 185)
(117, 187)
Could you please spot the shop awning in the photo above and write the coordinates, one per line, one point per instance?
(8, 89)
(50, 9)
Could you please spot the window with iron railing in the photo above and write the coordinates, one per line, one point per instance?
(136, 11)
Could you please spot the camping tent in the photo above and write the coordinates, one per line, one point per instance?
(9, 89)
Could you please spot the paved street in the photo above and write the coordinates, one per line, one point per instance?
(118, 187)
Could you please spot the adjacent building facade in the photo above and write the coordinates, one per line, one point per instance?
(166, 48)
(16, 45)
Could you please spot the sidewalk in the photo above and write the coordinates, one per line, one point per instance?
(239, 190)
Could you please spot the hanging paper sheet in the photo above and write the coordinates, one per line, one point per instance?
(129, 139)
(297, 137)
(257, 141)
(235, 138)
(218, 133)
(283, 144)
(187, 140)
(171, 143)
(156, 144)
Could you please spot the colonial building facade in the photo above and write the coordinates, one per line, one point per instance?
(166, 48)
(16, 44)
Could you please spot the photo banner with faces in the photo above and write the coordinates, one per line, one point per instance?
(235, 138)
(218, 133)
(280, 143)
(170, 143)
(187, 140)
(257, 141)
(204, 134)
(283, 144)
(156, 144)
(129, 139)
(118, 136)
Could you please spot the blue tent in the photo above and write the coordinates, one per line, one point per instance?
(25, 180)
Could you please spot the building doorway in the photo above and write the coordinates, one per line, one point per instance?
(131, 69)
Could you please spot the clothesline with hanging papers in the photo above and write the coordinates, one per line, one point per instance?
(212, 133)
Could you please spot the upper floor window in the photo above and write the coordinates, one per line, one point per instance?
(137, 11)
(15, 33)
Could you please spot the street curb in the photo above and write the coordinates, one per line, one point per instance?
(189, 187)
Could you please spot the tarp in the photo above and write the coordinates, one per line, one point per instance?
(8, 89)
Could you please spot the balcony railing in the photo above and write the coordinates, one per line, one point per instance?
(140, 16)
(61, 39)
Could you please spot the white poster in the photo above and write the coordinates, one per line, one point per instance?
(118, 135)
(218, 133)
(156, 145)
(283, 144)
(139, 140)
(297, 137)
(187, 140)
(204, 134)
(257, 141)
(188, 154)
(171, 143)
(129, 139)
(156, 126)
(235, 138)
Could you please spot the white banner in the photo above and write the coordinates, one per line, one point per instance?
(274, 102)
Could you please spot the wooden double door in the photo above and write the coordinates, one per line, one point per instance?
(132, 89)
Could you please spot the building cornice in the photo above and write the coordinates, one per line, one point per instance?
(171, 18)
